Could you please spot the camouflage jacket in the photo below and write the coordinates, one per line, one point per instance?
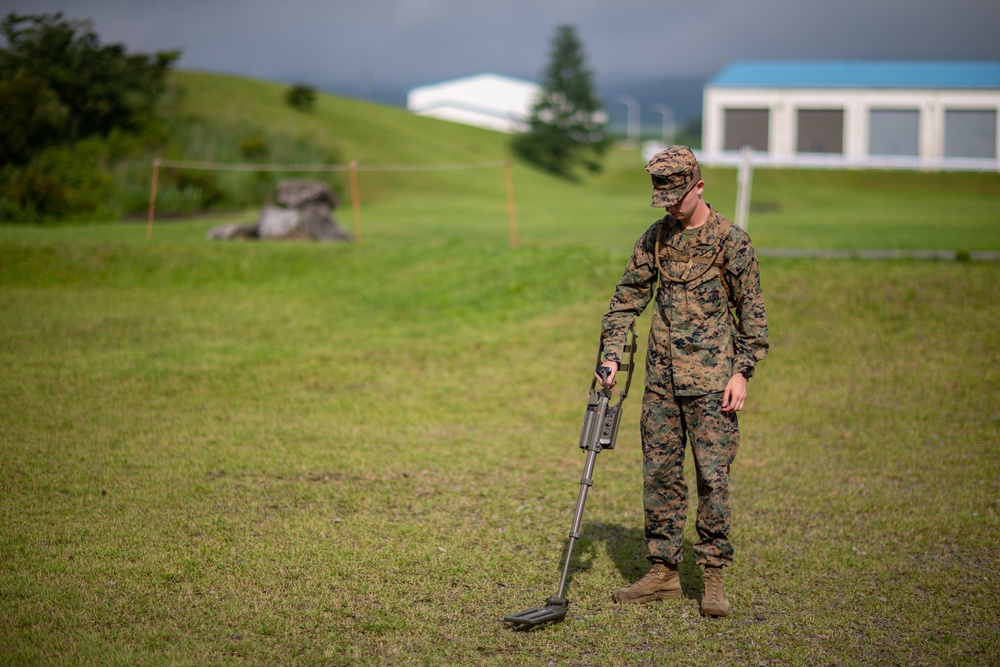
(697, 340)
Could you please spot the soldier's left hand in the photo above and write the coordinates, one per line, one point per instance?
(735, 395)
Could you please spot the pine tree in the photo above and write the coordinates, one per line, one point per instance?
(566, 128)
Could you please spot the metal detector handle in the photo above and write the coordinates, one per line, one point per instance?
(626, 365)
(600, 427)
(593, 420)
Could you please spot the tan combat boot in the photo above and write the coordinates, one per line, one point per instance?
(713, 600)
(660, 583)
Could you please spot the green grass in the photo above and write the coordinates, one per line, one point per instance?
(307, 454)
(294, 454)
(874, 209)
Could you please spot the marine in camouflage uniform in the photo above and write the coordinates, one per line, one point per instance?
(708, 332)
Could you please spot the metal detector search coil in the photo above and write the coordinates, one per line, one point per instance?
(600, 429)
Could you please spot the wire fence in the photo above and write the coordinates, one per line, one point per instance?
(352, 168)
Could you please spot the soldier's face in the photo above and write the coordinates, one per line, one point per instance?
(686, 205)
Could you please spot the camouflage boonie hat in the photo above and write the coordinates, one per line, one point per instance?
(673, 171)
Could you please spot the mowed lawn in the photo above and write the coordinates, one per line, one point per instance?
(335, 455)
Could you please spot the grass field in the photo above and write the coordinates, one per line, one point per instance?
(298, 454)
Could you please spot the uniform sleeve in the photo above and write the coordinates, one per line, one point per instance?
(632, 294)
(751, 343)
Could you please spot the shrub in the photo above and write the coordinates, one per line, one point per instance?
(301, 97)
(63, 182)
(255, 147)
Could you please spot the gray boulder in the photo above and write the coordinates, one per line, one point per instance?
(232, 231)
(275, 222)
(295, 193)
(305, 213)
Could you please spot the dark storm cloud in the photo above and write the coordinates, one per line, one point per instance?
(409, 42)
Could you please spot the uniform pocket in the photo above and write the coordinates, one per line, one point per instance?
(707, 297)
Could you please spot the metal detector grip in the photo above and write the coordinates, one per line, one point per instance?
(604, 434)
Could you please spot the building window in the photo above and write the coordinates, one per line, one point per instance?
(970, 133)
(746, 127)
(894, 132)
(821, 131)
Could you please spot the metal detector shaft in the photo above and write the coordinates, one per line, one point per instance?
(585, 483)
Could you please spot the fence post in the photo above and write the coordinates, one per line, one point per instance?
(352, 170)
(508, 177)
(744, 180)
(152, 198)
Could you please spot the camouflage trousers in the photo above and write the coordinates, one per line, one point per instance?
(667, 421)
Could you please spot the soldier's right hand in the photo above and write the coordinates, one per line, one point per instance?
(612, 366)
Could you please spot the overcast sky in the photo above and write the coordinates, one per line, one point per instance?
(385, 46)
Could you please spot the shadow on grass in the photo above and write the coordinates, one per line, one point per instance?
(627, 549)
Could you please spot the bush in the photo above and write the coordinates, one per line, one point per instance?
(85, 88)
(255, 147)
(203, 186)
(301, 97)
(31, 117)
(63, 182)
(69, 107)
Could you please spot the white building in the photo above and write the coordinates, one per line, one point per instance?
(486, 100)
(877, 113)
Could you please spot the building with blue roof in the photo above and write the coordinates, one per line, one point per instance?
(855, 111)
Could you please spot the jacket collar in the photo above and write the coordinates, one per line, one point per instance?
(708, 234)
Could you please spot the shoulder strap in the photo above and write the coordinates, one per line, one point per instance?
(717, 260)
(720, 261)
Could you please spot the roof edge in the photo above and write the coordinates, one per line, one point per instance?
(898, 74)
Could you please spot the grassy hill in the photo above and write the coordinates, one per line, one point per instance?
(464, 202)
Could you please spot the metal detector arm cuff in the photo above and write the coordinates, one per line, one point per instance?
(626, 364)
(628, 353)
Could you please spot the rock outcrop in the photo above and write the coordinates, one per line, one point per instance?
(305, 212)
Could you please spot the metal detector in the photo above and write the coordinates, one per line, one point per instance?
(600, 429)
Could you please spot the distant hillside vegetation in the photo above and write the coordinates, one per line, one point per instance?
(229, 119)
